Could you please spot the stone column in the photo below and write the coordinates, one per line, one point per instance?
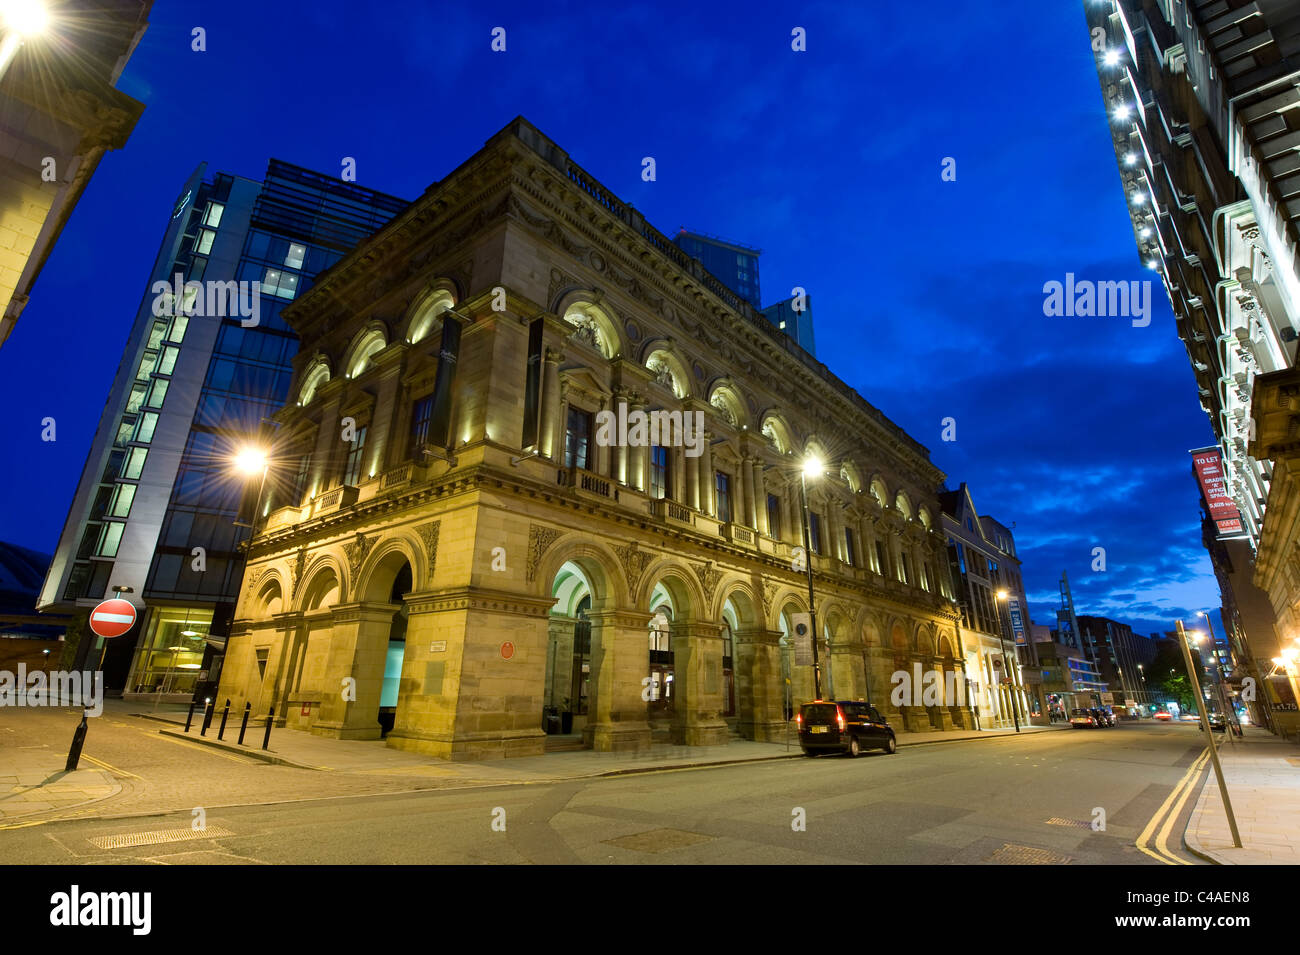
(697, 679)
(706, 477)
(792, 516)
(552, 425)
(677, 461)
(358, 653)
(760, 499)
(940, 717)
(692, 468)
(745, 510)
(559, 661)
(616, 716)
(834, 531)
(638, 455)
(760, 693)
(599, 455)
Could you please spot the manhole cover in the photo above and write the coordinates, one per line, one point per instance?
(1012, 854)
(157, 837)
(658, 840)
(1069, 823)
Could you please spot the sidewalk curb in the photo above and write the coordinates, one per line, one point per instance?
(1190, 842)
(268, 757)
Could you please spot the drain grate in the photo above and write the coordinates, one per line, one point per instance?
(1012, 854)
(1068, 823)
(158, 837)
(658, 840)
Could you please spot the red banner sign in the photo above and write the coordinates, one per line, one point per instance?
(1223, 511)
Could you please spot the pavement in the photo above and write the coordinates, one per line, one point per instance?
(291, 747)
(33, 780)
(1262, 773)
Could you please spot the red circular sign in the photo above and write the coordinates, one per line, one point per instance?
(507, 650)
(112, 618)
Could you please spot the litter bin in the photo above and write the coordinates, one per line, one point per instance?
(551, 720)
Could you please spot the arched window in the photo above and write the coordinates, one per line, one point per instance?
(370, 342)
(429, 316)
(317, 376)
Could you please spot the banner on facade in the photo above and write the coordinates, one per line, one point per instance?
(801, 625)
(1208, 464)
(1017, 622)
(533, 386)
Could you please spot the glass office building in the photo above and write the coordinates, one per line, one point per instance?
(735, 266)
(205, 365)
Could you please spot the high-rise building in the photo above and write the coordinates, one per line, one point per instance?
(1001, 655)
(734, 265)
(207, 362)
(1117, 652)
(794, 317)
(59, 116)
(1201, 97)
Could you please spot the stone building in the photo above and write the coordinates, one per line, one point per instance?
(448, 541)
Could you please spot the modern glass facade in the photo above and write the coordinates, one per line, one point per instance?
(734, 265)
(158, 501)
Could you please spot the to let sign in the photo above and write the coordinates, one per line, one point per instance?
(112, 618)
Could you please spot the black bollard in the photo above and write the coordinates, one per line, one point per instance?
(209, 707)
(190, 715)
(266, 740)
(78, 740)
(243, 724)
(221, 731)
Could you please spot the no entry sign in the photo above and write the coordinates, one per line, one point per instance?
(112, 618)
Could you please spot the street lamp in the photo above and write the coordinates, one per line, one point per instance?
(1003, 597)
(812, 467)
(23, 19)
(250, 460)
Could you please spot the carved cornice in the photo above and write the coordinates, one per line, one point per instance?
(477, 599)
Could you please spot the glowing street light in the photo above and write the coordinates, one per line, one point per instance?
(248, 461)
(22, 20)
(1111, 58)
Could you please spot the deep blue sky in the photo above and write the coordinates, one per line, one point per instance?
(928, 294)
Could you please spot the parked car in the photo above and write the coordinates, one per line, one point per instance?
(1081, 719)
(1217, 723)
(845, 726)
(1162, 715)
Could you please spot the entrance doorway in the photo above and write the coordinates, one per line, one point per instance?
(396, 652)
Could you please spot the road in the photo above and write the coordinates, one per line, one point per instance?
(1031, 799)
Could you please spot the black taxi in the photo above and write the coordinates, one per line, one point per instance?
(845, 726)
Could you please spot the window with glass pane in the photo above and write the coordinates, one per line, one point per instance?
(296, 254)
(156, 334)
(882, 565)
(904, 569)
(421, 415)
(148, 422)
(168, 360)
(577, 440)
(148, 361)
(815, 532)
(124, 431)
(773, 516)
(213, 216)
(352, 466)
(136, 398)
(179, 324)
(204, 245)
(157, 392)
(300, 479)
(122, 498)
(723, 488)
(109, 538)
(103, 494)
(848, 547)
(134, 464)
(658, 472)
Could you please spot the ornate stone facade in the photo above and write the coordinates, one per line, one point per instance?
(526, 571)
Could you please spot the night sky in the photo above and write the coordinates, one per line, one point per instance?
(928, 295)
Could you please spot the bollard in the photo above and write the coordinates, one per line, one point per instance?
(190, 715)
(266, 740)
(221, 731)
(209, 707)
(243, 724)
(78, 740)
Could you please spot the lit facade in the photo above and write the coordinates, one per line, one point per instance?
(451, 552)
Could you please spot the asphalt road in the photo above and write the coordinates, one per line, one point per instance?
(1032, 799)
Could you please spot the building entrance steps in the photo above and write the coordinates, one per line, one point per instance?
(1262, 774)
(296, 748)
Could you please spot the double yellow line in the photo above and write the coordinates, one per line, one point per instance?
(1169, 812)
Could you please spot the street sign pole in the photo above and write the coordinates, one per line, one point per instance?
(1209, 736)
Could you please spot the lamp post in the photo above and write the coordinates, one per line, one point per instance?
(1003, 596)
(810, 466)
(23, 19)
(1142, 673)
